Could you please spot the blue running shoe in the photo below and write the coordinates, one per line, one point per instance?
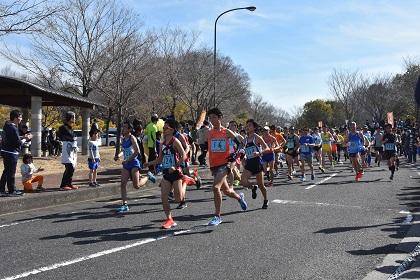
(215, 221)
(242, 201)
(302, 178)
(123, 209)
(151, 177)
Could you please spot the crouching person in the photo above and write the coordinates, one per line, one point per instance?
(28, 170)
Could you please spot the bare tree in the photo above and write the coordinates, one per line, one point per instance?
(122, 81)
(343, 86)
(74, 41)
(24, 16)
(172, 45)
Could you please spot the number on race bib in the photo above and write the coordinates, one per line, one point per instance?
(389, 147)
(127, 153)
(218, 145)
(168, 161)
(304, 149)
(249, 151)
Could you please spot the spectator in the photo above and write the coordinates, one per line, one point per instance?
(150, 132)
(45, 144)
(56, 144)
(411, 143)
(93, 158)
(27, 145)
(158, 167)
(69, 155)
(11, 145)
(202, 141)
(27, 170)
(95, 127)
(194, 145)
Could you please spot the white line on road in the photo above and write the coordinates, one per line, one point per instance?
(311, 203)
(320, 182)
(19, 223)
(93, 256)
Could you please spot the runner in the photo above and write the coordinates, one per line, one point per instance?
(334, 148)
(367, 157)
(218, 141)
(399, 148)
(255, 147)
(306, 145)
(389, 141)
(276, 132)
(131, 165)
(171, 155)
(292, 155)
(340, 143)
(188, 178)
(268, 157)
(355, 142)
(327, 139)
(378, 145)
(234, 176)
(318, 147)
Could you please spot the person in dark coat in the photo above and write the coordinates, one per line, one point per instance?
(10, 147)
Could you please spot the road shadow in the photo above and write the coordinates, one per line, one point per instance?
(88, 237)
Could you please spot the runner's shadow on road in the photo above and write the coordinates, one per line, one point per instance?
(205, 217)
(120, 234)
(351, 182)
(129, 199)
(346, 229)
(382, 250)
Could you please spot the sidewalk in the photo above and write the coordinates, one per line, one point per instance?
(108, 179)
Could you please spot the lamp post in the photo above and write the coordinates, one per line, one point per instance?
(250, 8)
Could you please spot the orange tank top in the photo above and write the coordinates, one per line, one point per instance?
(218, 146)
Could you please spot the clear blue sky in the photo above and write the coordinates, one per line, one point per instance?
(289, 48)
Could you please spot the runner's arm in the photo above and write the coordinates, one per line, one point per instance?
(264, 145)
(235, 136)
(184, 144)
(180, 149)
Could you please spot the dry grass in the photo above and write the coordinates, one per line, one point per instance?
(52, 165)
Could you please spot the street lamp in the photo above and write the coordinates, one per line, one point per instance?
(250, 8)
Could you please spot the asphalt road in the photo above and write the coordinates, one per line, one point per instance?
(329, 228)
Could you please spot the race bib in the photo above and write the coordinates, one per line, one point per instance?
(389, 147)
(249, 151)
(168, 161)
(290, 145)
(218, 145)
(127, 152)
(304, 149)
(354, 145)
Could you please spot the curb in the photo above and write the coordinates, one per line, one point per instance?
(33, 201)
